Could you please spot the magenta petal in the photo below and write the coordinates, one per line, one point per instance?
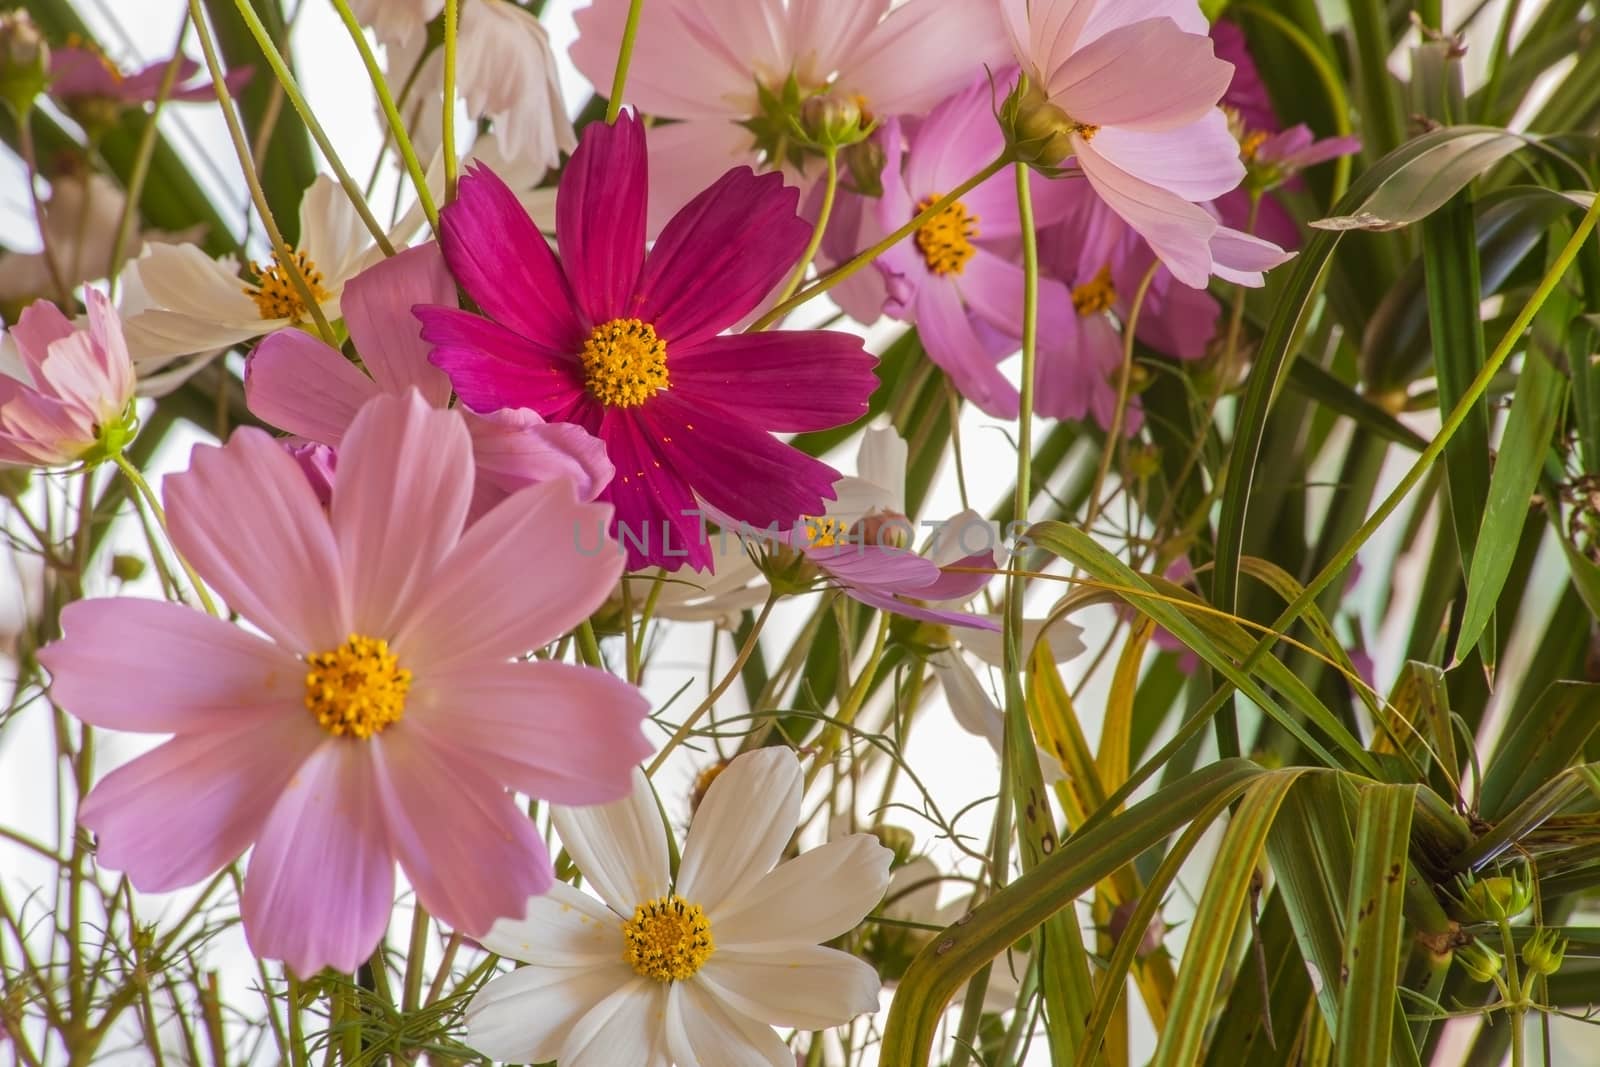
(961, 579)
(739, 469)
(297, 383)
(600, 216)
(320, 884)
(789, 381)
(720, 255)
(188, 671)
(188, 808)
(492, 367)
(514, 448)
(556, 731)
(881, 567)
(377, 307)
(502, 261)
(657, 521)
(471, 853)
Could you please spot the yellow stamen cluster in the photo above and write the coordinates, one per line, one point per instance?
(625, 363)
(667, 939)
(1095, 295)
(276, 295)
(358, 689)
(823, 532)
(1250, 144)
(945, 240)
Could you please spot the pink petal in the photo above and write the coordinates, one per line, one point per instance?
(952, 343)
(1178, 231)
(555, 731)
(720, 255)
(471, 853)
(891, 65)
(115, 368)
(492, 368)
(1148, 75)
(600, 217)
(502, 261)
(657, 520)
(377, 307)
(895, 604)
(1044, 32)
(1107, 17)
(188, 672)
(320, 885)
(821, 31)
(247, 520)
(514, 448)
(882, 567)
(687, 157)
(189, 807)
(1199, 161)
(42, 324)
(297, 383)
(518, 580)
(399, 505)
(1241, 258)
(964, 577)
(659, 81)
(788, 381)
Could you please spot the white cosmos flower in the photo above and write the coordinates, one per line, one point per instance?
(691, 972)
(198, 303)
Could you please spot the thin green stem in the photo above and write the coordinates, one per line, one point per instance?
(1114, 432)
(630, 31)
(866, 256)
(142, 487)
(391, 112)
(30, 160)
(851, 705)
(830, 189)
(416, 960)
(452, 21)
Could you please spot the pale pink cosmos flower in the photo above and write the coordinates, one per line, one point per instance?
(702, 61)
(1136, 85)
(73, 390)
(299, 384)
(382, 712)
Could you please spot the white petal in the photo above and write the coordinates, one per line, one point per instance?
(525, 1016)
(332, 234)
(1064, 635)
(785, 907)
(621, 848)
(625, 1028)
(913, 892)
(184, 279)
(810, 988)
(977, 714)
(565, 927)
(742, 827)
(704, 1031)
(882, 462)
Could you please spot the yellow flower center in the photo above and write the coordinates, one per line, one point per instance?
(667, 939)
(1095, 295)
(358, 689)
(276, 295)
(625, 363)
(823, 532)
(1250, 144)
(946, 239)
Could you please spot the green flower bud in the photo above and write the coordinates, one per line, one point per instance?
(24, 61)
(1492, 899)
(1544, 953)
(865, 162)
(126, 568)
(896, 839)
(1481, 962)
(829, 121)
(1039, 132)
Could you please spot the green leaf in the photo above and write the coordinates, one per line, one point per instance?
(1536, 411)
(1539, 745)
(1423, 175)
(1317, 383)
(1310, 850)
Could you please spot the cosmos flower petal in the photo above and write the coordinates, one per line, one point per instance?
(557, 731)
(625, 1027)
(659, 81)
(743, 825)
(502, 261)
(516, 582)
(492, 367)
(881, 567)
(562, 928)
(320, 884)
(785, 381)
(41, 325)
(297, 383)
(1178, 231)
(744, 231)
(1107, 17)
(1147, 75)
(890, 67)
(445, 818)
(377, 508)
(248, 521)
(703, 1029)
(657, 518)
(951, 343)
(167, 819)
(377, 307)
(1197, 161)
(600, 216)
(526, 1015)
(1241, 258)
(620, 847)
(808, 987)
(191, 672)
(515, 448)
(685, 157)
(784, 908)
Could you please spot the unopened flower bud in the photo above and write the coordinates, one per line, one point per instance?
(1543, 955)
(830, 121)
(126, 568)
(865, 163)
(1492, 899)
(1038, 132)
(1481, 962)
(24, 60)
(896, 839)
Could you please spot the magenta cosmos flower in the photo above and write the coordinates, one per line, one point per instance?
(384, 712)
(628, 347)
(74, 399)
(299, 384)
(78, 73)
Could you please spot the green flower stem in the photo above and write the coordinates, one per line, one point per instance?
(589, 645)
(297, 100)
(258, 196)
(391, 112)
(416, 955)
(1516, 995)
(619, 81)
(452, 24)
(136, 479)
(833, 737)
(829, 190)
(863, 258)
(30, 160)
(1130, 332)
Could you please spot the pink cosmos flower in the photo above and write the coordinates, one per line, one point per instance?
(383, 712)
(73, 398)
(1135, 86)
(81, 73)
(960, 277)
(628, 347)
(299, 384)
(708, 62)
